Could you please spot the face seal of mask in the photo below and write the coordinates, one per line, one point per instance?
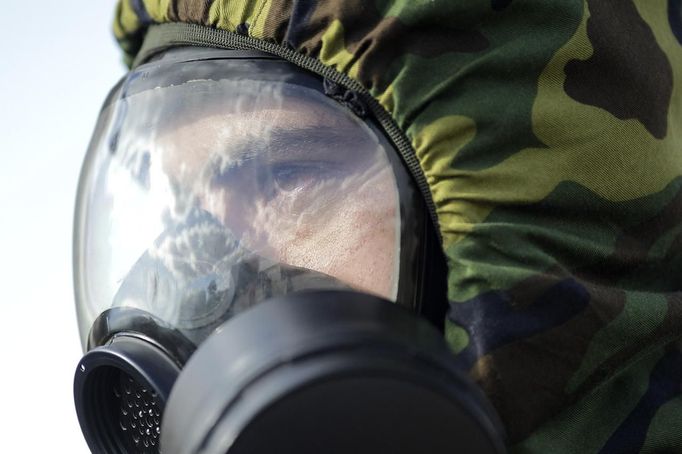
(217, 180)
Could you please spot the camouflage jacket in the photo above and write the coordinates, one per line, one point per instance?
(549, 136)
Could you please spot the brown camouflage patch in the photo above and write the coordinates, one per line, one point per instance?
(193, 12)
(277, 22)
(526, 381)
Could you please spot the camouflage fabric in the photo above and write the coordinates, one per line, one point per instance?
(550, 133)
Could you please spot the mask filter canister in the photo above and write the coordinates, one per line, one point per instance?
(120, 391)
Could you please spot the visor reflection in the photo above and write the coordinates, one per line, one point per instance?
(208, 179)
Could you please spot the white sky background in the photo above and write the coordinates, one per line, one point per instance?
(58, 62)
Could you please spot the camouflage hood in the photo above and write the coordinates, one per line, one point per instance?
(548, 136)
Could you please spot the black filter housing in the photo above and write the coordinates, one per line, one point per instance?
(332, 372)
(120, 390)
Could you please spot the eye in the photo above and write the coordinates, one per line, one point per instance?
(294, 176)
(275, 179)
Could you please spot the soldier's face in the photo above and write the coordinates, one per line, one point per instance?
(301, 184)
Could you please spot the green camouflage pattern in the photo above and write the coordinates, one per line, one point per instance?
(550, 133)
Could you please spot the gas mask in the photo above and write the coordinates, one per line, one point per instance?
(256, 272)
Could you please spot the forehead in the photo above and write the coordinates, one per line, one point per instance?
(260, 119)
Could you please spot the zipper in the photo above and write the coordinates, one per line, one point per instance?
(160, 37)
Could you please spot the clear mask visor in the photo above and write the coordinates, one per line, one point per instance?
(208, 190)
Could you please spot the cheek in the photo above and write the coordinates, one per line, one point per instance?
(355, 240)
(366, 254)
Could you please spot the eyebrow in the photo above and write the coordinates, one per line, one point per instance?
(301, 142)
